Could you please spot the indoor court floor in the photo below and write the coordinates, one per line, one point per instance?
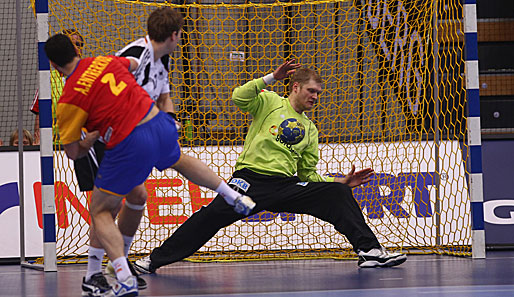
(421, 275)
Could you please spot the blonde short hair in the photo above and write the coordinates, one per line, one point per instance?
(302, 76)
(26, 134)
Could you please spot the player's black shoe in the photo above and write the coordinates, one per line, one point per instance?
(379, 257)
(96, 286)
(141, 283)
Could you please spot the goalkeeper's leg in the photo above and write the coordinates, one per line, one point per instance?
(334, 203)
(191, 235)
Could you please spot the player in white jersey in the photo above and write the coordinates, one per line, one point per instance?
(151, 54)
(152, 72)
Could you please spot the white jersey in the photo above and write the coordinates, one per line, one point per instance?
(152, 75)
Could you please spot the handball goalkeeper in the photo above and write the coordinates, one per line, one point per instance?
(281, 142)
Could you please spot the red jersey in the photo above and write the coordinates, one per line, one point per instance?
(101, 94)
(35, 103)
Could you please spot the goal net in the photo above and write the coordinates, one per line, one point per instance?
(393, 100)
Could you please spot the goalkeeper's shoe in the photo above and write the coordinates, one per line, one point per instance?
(141, 283)
(144, 265)
(96, 286)
(244, 205)
(379, 257)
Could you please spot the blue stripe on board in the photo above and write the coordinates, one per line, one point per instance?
(44, 64)
(475, 157)
(473, 102)
(49, 227)
(9, 196)
(45, 113)
(477, 215)
(471, 46)
(41, 6)
(470, 1)
(47, 170)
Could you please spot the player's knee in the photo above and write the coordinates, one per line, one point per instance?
(347, 191)
(339, 193)
(97, 212)
(138, 200)
(340, 189)
(218, 208)
(137, 197)
(101, 203)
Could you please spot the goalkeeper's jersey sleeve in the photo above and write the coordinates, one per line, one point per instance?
(275, 144)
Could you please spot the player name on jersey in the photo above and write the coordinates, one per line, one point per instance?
(91, 74)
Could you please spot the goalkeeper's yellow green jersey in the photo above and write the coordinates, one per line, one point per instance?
(57, 84)
(265, 152)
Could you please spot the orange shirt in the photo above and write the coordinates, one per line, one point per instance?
(101, 94)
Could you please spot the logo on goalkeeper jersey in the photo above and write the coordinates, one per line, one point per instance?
(240, 183)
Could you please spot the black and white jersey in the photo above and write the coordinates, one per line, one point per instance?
(150, 74)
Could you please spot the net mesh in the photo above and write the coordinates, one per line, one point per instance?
(393, 100)
(9, 64)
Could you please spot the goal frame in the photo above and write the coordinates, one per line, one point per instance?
(473, 140)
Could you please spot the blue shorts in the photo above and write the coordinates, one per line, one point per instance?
(130, 162)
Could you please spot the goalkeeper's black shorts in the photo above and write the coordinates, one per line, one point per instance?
(87, 167)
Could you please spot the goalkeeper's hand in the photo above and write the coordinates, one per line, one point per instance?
(354, 179)
(285, 69)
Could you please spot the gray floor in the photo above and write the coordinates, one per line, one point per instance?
(421, 275)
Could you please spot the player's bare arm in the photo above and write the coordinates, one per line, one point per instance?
(164, 103)
(78, 149)
(133, 64)
(354, 179)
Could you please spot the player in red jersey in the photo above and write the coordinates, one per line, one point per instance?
(57, 83)
(102, 96)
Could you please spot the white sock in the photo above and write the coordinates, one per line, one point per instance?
(94, 261)
(127, 241)
(122, 270)
(227, 193)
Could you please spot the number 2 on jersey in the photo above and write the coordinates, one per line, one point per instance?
(115, 88)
